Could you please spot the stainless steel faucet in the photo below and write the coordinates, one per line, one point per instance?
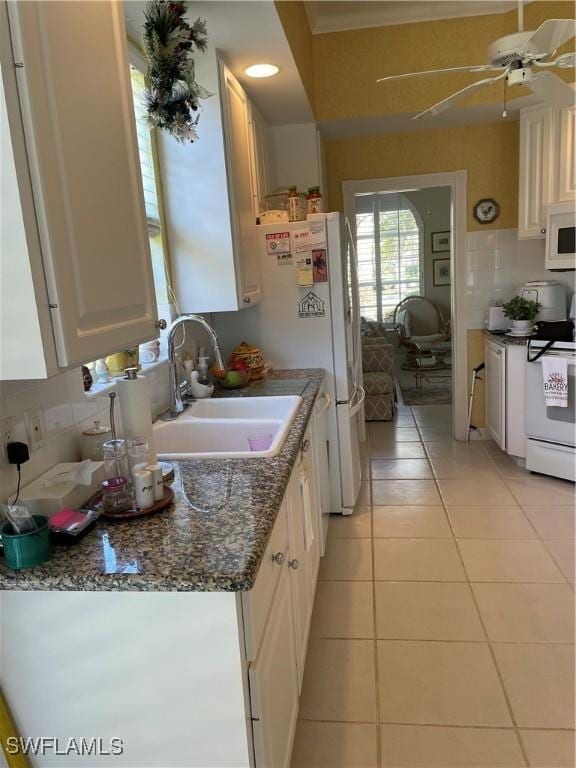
(176, 405)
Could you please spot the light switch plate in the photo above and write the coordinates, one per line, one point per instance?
(35, 428)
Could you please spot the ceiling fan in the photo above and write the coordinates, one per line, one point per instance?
(522, 58)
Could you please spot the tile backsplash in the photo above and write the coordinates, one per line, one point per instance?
(66, 410)
(498, 264)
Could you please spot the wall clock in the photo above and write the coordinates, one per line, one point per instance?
(486, 210)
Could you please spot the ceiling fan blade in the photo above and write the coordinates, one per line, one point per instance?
(428, 72)
(551, 89)
(550, 35)
(565, 61)
(446, 103)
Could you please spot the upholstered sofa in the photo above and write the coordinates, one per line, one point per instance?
(378, 372)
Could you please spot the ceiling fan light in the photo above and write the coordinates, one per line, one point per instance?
(262, 70)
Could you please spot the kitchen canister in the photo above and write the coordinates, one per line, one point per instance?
(134, 399)
(150, 351)
(156, 472)
(92, 440)
(143, 489)
(25, 550)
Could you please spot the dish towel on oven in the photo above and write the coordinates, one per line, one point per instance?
(555, 374)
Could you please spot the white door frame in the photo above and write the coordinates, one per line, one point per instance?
(457, 181)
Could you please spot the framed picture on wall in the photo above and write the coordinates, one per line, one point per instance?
(441, 272)
(440, 242)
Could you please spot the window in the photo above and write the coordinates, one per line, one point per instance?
(151, 191)
(389, 244)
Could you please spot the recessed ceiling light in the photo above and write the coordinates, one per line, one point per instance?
(262, 70)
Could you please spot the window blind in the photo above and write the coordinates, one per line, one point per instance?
(389, 245)
(145, 151)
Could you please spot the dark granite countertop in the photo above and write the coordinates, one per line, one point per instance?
(508, 341)
(211, 538)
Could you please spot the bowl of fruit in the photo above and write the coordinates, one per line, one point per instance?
(235, 376)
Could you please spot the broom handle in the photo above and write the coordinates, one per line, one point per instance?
(7, 730)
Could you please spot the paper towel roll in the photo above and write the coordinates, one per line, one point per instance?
(134, 398)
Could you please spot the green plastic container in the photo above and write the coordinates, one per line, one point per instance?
(24, 550)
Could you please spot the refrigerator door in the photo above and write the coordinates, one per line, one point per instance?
(345, 308)
(348, 419)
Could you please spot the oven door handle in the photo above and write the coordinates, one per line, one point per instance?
(539, 353)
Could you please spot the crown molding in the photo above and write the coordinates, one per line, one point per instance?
(404, 13)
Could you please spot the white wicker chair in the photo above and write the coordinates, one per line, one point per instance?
(418, 320)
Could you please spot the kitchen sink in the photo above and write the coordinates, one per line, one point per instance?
(221, 428)
(279, 408)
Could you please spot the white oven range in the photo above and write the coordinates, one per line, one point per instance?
(551, 431)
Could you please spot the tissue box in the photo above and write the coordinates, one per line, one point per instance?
(43, 497)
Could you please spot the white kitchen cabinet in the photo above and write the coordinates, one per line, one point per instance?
(321, 451)
(547, 165)
(506, 395)
(274, 687)
(566, 156)
(77, 178)
(215, 680)
(209, 198)
(536, 170)
(311, 510)
(261, 158)
(239, 145)
(495, 389)
(298, 566)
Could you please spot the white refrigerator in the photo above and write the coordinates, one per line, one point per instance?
(317, 326)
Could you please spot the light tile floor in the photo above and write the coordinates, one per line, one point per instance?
(443, 625)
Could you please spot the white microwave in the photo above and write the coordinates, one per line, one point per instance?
(561, 236)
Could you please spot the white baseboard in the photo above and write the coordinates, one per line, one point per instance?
(480, 433)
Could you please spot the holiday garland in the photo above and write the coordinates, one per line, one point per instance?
(173, 94)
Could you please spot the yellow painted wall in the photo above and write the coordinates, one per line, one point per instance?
(297, 30)
(475, 357)
(339, 72)
(347, 64)
(488, 152)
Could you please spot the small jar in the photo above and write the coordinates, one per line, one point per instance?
(314, 200)
(116, 495)
(92, 441)
(115, 454)
(138, 451)
(150, 351)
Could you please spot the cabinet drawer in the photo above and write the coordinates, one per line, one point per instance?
(257, 602)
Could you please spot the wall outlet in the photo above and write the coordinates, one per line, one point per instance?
(6, 436)
(34, 428)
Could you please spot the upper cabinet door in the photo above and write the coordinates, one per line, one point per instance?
(566, 156)
(536, 165)
(236, 119)
(73, 80)
(260, 157)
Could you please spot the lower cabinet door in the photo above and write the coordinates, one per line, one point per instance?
(495, 389)
(311, 516)
(274, 688)
(298, 567)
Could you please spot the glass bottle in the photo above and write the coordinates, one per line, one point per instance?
(293, 204)
(314, 200)
(115, 455)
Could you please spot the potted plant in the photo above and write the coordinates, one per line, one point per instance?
(522, 312)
